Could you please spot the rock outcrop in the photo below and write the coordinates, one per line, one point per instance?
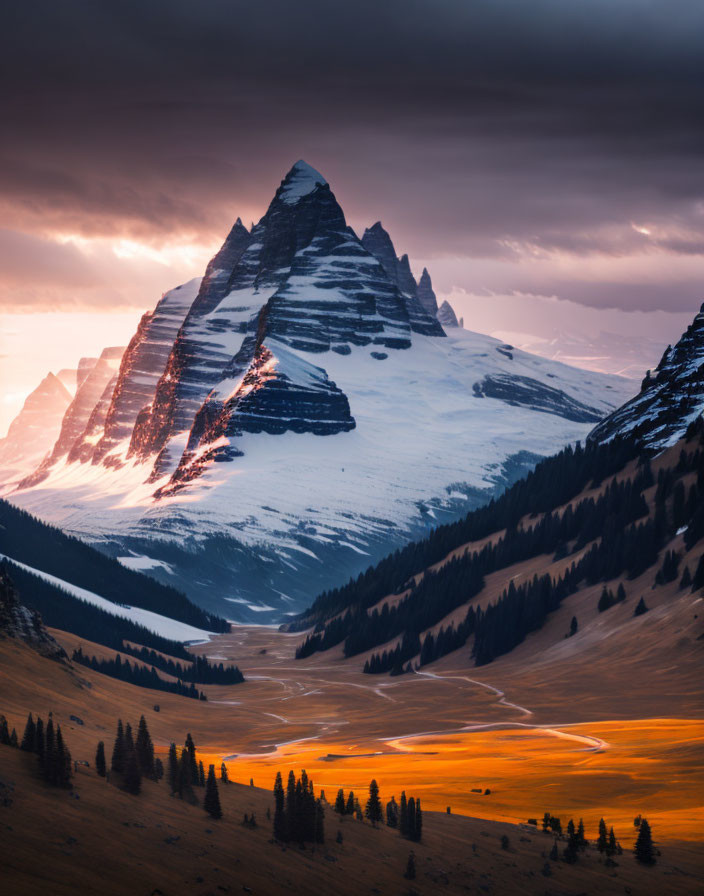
(23, 624)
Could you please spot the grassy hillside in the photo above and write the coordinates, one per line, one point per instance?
(99, 839)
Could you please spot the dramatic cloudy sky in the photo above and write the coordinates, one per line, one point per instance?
(544, 158)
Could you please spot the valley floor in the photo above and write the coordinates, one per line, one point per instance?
(557, 726)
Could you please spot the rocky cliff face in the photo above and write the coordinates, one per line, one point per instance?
(23, 624)
(671, 396)
(107, 435)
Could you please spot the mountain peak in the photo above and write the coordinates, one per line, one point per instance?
(447, 316)
(301, 180)
(426, 294)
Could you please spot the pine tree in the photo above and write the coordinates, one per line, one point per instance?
(373, 807)
(47, 761)
(183, 778)
(570, 828)
(29, 736)
(581, 840)
(128, 740)
(223, 774)
(319, 828)
(411, 818)
(349, 808)
(211, 803)
(644, 850)
(39, 741)
(190, 749)
(403, 815)
(686, 579)
(291, 807)
(145, 749)
(173, 768)
(158, 769)
(4, 732)
(611, 848)
(641, 608)
(554, 855)
(602, 842)
(606, 601)
(410, 866)
(100, 759)
(132, 779)
(201, 774)
(569, 853)
(620, 593)
(340, 802)
(279, 818)
(14, 741)
(419, 822)
(392, 813)
(574, 625)
(117, 762)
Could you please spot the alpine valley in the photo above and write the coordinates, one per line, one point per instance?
(277, 426)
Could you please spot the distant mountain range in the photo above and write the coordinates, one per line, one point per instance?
(305, 407)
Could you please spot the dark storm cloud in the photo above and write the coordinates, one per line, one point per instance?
(469, 127)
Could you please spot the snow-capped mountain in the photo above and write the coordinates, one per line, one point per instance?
(281, 424)
(670, 398)
(85, 415)
(33, 430)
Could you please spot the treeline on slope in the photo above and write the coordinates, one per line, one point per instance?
(619, 544)
(61, 609)
(441, 591)
(28, 540)
(554, 481)
(133, 673)
(621, 549)
(199, 670)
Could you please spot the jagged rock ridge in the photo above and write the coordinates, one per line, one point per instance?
(419, 296)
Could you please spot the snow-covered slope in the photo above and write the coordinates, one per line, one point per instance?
(311, 415)
(670, 398)
(161, 625)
